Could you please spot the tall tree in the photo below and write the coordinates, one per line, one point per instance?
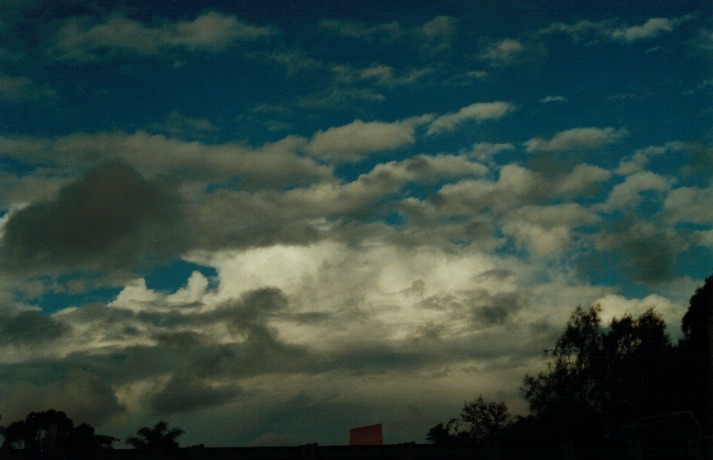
(694, 356)
(566, 397)
(638, 363)
(599, 378)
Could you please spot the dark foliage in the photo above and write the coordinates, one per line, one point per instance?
(694, 357)
(480, 420)
(53, 430)
(157, 439)
(601, 380)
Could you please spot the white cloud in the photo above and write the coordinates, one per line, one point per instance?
(84, 38)
(641, 157)
(548, 99)
(479, 112)
(609, 29)
(616, 306)
(484, 151)
(438, 33)
(194, 291)
(546, 231)
(513, 185)
(628, 194)
(690, 205)
(380, 74)
(264, 166)
(577, 138)
(135, 296)
(502, 52)
(651, 28)
(581, 179)
(358, 139)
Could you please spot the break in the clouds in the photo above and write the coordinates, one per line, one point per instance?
(272, 223)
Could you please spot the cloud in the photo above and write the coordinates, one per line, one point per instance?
(547, 231)
(515, 185)
(581, 180)
(641, 157)
(188, 394)
(85, 397)
(484, 151)
(85, 38)
(577, 138)
(18, 89)
(435, 35)
(111, 218)
(630, 193)
(269, 165)
(30, 328)
(438, 33)
(479, 112)
(339, 98)
(610, 30)
(505, 51)
(548, 99)
(380, 74)
(385, 31)
(690, 205)
(510, 51)
(181, 126)
(644, 251)
(352, 142)
(616, 306)
(651, 28)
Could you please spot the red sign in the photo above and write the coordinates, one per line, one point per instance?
(366, 436)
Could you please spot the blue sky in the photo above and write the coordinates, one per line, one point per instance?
(270, 222)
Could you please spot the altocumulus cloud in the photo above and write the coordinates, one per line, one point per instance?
(112, 217)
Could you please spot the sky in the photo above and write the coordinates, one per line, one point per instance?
(270, 222)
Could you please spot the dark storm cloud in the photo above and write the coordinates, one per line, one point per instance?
(30, 328)
(642, 251)
(186, 394)
(111, 218)
(482, 306)
(31, 386)
(254, 306)
(650, 257)
(495, 309)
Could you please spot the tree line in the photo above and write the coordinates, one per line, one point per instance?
(53, 430)
(599, 379)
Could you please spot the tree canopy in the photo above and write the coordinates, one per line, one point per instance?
(52, 429)
(480, 420)
(156, 438)
(600, 378)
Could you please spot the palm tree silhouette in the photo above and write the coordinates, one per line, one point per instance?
(157, 438)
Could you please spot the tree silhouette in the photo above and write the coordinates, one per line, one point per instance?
(53, 430)
(600, 378)
(156, 439)
(480, 420)
(565, 396)
(694, 357)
